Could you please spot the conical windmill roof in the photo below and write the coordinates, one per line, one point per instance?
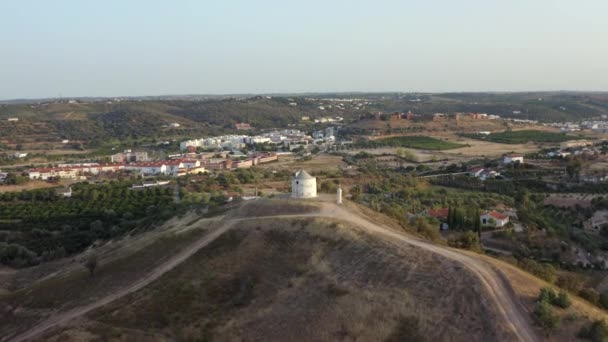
(303, 175)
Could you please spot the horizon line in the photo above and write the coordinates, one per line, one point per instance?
(296, 93)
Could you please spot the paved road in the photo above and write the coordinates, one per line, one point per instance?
(507, 303)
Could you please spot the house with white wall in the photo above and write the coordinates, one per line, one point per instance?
(494, 219)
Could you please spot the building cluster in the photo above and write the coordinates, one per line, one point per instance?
(289, 139)
(599, 126)
(173, 168)
(483, 173)
(584, 148)
(180, 165)
(128, 156)
(225, 161)
(329, 119)
(435, 117)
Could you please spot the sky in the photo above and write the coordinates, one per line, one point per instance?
(73, 48)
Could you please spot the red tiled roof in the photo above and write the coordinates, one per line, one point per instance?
(497, 215)
(53, 169)
(439, 213)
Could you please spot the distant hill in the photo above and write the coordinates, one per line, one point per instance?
(94, 121)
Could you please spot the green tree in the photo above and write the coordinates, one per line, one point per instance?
(545, 317)
(477, 222)
(573, 168)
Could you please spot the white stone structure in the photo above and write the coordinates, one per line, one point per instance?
(303, 185)
(513, 158)
(339, 195)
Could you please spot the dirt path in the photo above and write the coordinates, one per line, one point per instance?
(506, 302)
(63, 318)
(495, 284)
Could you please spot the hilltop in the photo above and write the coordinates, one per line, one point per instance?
(276, 270)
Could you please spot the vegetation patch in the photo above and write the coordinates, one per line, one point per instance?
(418, 142)
(522, 137)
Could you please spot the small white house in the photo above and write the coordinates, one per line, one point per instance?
(494, 219)
(476, 172)
(513, 158)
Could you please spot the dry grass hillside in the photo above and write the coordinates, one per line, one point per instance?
(300, 279)
(277, 270)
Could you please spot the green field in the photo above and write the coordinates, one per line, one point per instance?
(419, 142)
(522, 137)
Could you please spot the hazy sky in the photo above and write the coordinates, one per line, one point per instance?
(147, 47)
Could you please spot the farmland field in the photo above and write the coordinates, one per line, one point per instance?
(419, 142)
(522, 137)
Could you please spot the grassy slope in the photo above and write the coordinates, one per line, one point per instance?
(71, 285)
(419, 142)
(302, 279)
(272, 274)
(524, 136)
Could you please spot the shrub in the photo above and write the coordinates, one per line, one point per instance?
(467, 240)
(604, 299)
(544, 271)
(570, 282)
(597, 331)
(544, 316)
(562, 300)
(407, 329)
(590, 295)
(548, 295)
(426, 229)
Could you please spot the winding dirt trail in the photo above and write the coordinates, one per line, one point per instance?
(65, 317)
(495, 284)
(506, 302)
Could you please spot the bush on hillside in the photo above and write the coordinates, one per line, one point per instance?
(590, 295)
(596, 332)
(544, 316)
(467, 240)
(426, 229)
(570, 282)
(548, 295)
(562, 300)
(604, 299)
(407, 329)
(541, 270)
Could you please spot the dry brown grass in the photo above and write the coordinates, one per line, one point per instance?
(278, 206)
(40, 291)
(299, 280)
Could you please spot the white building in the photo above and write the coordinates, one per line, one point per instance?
(303, 185)
(57, 172)
(513, 158)
(494, 219)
